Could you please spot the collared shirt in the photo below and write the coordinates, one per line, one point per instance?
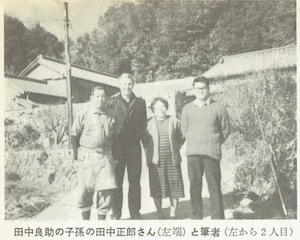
(95, 128)
(200, 104)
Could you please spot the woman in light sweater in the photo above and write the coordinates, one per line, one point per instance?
(162, 147)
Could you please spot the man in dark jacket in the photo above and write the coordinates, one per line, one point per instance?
(131, 121)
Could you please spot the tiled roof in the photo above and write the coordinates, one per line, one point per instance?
(274, 58)
(76, 71)
(33, 86)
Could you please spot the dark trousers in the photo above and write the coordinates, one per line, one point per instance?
(132, 160)
(197, 166)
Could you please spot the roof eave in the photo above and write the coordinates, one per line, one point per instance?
(237, 75)
(31, 66)
(50, 95)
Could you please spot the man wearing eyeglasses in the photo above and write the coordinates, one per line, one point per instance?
(205, 125)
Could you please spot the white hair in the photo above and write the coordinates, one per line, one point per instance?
(127, 75)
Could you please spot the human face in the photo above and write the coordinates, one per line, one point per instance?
(98, 99)
(160, 110)
(201, 91)
(126, 86)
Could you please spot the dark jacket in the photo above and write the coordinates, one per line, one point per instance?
(130, 127)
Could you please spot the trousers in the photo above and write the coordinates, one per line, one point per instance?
(197, 166)
(95, 174)
(132, 161)
(103, 200)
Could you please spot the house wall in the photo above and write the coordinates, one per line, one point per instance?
(165, 89)
(81, 90)
(169, 90)
(150, 91)
(42, 72)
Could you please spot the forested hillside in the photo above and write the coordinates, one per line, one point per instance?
(23, 45)
(161, 40)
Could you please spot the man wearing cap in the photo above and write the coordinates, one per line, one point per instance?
(91, 135)
(205, 125)
(131, 122)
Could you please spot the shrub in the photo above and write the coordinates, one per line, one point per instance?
(12, 176)
(20, 136)
(54, 122)
(263, 116)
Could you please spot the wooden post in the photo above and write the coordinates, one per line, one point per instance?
(271, 160)
(68, 75)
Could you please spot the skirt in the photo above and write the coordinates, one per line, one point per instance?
(166, 179)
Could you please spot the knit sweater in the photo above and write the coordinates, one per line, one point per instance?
(205, 129)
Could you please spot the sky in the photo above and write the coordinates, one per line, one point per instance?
(83, 14)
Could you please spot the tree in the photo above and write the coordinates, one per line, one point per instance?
(22, 46)
(15, 47)
(251, 26)
(161, 40)
(42, 42)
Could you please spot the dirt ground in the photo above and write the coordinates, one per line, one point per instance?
(66, 208)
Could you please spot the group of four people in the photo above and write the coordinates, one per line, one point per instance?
(107, 138)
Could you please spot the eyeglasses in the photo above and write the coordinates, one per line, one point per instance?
(160, 108)
(201, 89)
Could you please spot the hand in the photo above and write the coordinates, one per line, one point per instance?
(115, 164)
(176, 162)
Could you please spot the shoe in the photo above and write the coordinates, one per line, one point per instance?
(173, 218)
(86, 215)
(160, 215)
(114, 217)
(101, 217)
(136, 217)
(196, 217)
